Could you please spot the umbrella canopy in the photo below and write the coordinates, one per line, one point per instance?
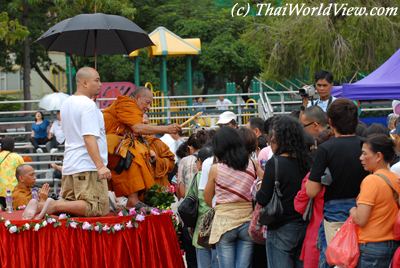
(95, 34)
(53, 101)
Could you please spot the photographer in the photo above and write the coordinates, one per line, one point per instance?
(323, 86)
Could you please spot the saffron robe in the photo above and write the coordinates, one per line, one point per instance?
(119, 117)
(21, 196)
(164, 162)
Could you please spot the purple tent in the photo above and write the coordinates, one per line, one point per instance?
(381, 84)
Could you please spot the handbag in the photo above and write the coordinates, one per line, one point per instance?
(396, 226)
(188, 209)
(120, 158)
(256, 230)
(274, 209)
(205, 229)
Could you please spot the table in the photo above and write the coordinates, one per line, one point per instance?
(152, 244)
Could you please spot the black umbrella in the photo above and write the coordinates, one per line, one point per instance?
(95, 34)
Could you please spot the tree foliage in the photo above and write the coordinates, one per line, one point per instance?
(290, 46)
(37, 16)
(224, 56)
(11, 30)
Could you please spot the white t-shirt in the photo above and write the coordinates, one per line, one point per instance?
(171, 143)
(57, 131)
(205, 170)
(322, 104)
(80, 116)
(223, 105)
(396, 168)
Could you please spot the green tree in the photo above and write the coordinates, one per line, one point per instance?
(38, 16)
(10, 30)
(224, 56)
(291, 46)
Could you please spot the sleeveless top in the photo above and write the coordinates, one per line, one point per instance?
(232, 185)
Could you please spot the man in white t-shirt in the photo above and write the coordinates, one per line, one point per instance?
(85, 172)
(56, 135)
(222, 103)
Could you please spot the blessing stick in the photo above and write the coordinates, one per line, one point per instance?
(191, 119)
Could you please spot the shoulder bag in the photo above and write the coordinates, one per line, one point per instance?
(205, 229)
(256, 230)
(274, 208)
(188, 209)
(4, 158)
(396, 226)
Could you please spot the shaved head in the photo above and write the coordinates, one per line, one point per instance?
(144, 98)
(22, 170)
(88, 82)
(85, 73)
(142, 92)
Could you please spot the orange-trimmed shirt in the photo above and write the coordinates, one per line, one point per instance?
(375, 192)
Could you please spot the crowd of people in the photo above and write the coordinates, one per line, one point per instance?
(324, 164)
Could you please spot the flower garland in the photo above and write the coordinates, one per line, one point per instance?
(137, 217)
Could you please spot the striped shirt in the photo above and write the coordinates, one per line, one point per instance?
(234, 185)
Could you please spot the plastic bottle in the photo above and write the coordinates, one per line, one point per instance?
(263, 162)
(9, 201)
(35, 193)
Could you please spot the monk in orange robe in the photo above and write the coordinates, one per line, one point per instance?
(22, 193)
(124, 117)
(161, 158)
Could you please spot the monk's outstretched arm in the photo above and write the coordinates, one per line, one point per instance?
(144, 129)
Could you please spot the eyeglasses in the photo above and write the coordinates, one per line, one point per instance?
(309, 124)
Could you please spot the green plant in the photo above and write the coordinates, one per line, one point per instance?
(160, 196)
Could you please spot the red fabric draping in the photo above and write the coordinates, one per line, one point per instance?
(152, 244)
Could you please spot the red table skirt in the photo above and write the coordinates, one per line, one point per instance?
(152, 244)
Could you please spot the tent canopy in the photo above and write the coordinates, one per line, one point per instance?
(383, 83)
(168, 43)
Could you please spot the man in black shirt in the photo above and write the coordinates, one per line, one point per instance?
(341, 155)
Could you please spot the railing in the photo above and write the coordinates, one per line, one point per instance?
(284, 102)
(169, 109)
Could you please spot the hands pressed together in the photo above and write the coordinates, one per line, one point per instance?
(44, 192)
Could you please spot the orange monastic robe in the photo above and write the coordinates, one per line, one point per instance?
(164, 162)
(118, 118)
(21, 196)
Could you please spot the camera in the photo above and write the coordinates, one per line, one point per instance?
(307, 91)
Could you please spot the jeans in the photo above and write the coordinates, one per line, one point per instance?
(284, 245)
(376, 254)
(206, 258)
(334, 211)
(235, 248)
(38, 141)
(53, 143)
